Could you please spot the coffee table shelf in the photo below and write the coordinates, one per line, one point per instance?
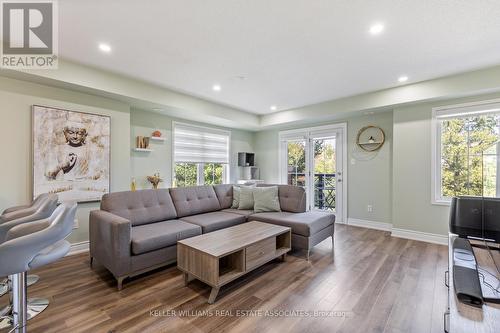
(222, 256)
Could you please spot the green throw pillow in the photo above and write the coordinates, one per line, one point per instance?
(236, 197)
(246, 198)
(266, 199)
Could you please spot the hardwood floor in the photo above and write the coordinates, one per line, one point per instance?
(374, 283)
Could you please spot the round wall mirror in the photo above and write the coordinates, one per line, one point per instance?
(370, 138)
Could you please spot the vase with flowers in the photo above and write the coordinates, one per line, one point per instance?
(155, 180)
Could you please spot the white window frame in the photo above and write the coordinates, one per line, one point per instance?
(200, 179)
(481, 107)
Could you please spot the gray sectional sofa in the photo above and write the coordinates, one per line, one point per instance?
(135, 232)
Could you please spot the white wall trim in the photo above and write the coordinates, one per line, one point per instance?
(369, 224)
(420, 236)
(77, 248)
(82, 247)
(397, 232)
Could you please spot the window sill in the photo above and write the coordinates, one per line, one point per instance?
(441, 202)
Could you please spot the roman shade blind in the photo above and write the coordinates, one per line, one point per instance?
(196, 144)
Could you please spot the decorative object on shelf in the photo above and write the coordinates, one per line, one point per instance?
(246, 159)
(142, 142)
(71, 154)
(155, 180)
(133, 185)
(157, 136)
(370, 138)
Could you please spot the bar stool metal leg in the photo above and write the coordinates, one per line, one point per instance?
(19, 302)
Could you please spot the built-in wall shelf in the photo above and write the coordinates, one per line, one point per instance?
(158, 139)
(144, 150)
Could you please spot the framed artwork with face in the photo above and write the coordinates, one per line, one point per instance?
(71, 154)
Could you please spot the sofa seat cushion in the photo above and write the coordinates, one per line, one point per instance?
(215, 220)
(155, 236)
(304, 224)
(243, 212)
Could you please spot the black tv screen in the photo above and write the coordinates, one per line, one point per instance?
(477, 217)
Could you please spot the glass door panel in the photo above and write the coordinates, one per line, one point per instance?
(324, 173)
(296, 163)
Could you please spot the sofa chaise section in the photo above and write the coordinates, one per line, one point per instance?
(308, 228)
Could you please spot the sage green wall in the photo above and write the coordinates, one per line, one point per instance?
(412, 207)
(16, 99)
(369, 180)
(160, 160)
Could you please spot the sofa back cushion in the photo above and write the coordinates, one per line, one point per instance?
(194, 200)
(140, 207)
(224, 193)
(292, 198)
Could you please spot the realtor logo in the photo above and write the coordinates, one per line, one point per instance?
(29, 34)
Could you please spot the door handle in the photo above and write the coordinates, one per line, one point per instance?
(339, 180)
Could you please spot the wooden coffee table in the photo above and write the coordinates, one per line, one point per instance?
(219, 257)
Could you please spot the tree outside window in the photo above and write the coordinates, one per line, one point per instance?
(192, 174)
(467, 165)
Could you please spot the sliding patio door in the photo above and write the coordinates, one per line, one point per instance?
(314, 159)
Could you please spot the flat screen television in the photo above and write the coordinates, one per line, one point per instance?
(477, 217)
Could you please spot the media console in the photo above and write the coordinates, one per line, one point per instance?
(461, 317)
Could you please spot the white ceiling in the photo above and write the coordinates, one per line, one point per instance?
(292, 52)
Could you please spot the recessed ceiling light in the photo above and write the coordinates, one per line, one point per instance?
(273, 108)
(104, 47)
(216, 87)
(403, 78)
(377, 28)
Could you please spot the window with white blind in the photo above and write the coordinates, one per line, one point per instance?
(200, 155)
(466, 147)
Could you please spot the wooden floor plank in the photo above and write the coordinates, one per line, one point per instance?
(372, 283)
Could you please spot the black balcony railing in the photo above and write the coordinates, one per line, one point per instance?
(324, 188)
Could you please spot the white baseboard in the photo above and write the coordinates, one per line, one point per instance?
(420, 236)
(77, 248)
(369, 224)
(81, 247)
(400, 233)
